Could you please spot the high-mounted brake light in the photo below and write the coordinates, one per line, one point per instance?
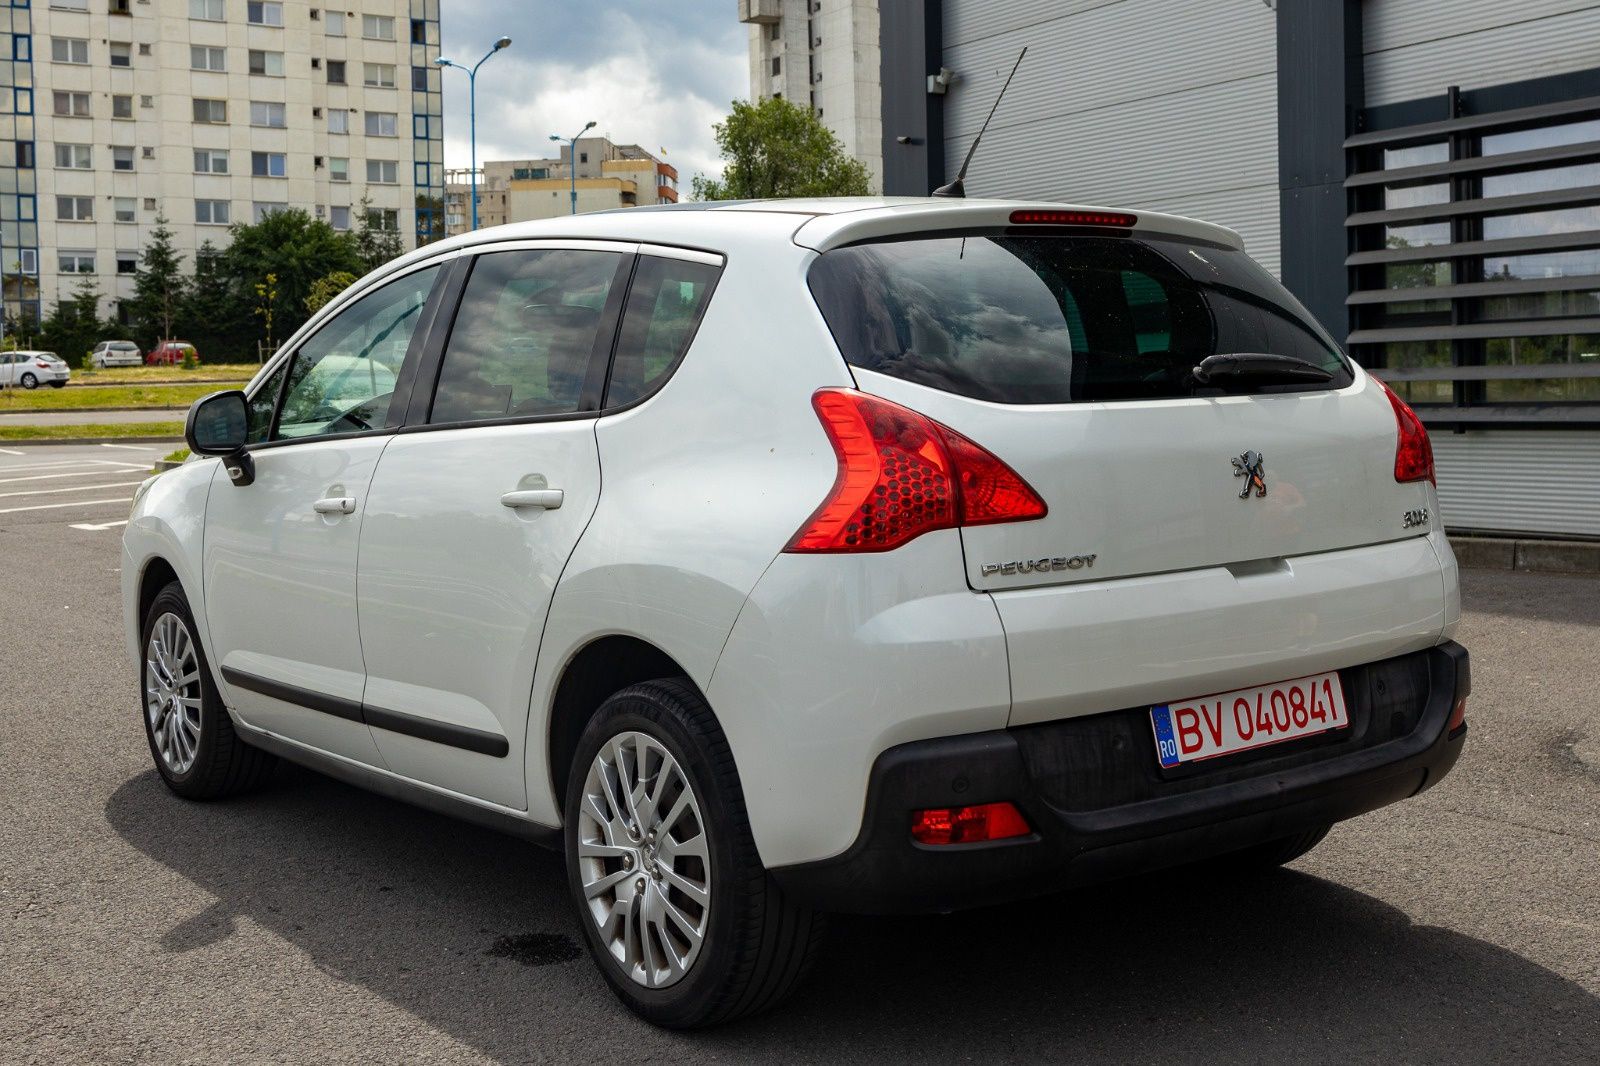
(968, 825)
(1029, 217)
(901, 474)
(1413, 454)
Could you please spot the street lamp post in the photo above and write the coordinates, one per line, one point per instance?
(572, 160)
(472, 112)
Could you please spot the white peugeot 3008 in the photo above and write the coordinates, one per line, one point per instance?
(802, 556)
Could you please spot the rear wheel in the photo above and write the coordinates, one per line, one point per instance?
(685, 924)
(196, 749)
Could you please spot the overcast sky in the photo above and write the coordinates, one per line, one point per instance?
(656, 73)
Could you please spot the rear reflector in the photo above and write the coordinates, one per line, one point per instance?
(1028, 217)
(1458, 716)
(1413, 455)
(901, 474)
(968, 825)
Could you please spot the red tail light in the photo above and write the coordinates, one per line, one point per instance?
(901, 474)
(1458, 716)
(42, 366)
(1072, 218)
(1413, 455)
(968, 825)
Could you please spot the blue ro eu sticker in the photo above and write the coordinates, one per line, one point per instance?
(1166, 742)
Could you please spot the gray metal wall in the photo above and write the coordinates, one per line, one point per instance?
(1138, 103)
(1520, 481)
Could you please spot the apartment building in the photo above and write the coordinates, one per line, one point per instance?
(209, 112)
(609, 176)
(823, 54)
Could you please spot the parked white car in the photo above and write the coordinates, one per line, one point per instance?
(805, 556)
(29, 370)
(116, 353)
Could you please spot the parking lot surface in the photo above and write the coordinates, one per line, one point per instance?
(313, 922)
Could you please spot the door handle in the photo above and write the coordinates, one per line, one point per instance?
(335, 505)
(547, 499)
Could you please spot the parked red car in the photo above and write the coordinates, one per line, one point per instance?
(170, 353)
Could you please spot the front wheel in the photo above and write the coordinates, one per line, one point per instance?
(685, 924)
(29, 381)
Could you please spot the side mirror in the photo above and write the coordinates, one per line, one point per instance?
(219, 424)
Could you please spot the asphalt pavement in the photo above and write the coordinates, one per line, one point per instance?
(312, 922)
(80, 417)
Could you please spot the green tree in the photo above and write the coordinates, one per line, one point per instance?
(375, 246)
(158, 286)
(325, 289)
(74, 326)
(296, 250)
(214, 316)
(777, 148)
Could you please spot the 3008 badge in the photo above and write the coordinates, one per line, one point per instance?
(1228, 722)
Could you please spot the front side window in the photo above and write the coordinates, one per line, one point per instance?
(262, 402)
(665, 305)
(525, 335)
(1026, 319)
(342, 379)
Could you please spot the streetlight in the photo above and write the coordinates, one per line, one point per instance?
(472, 111)
(573, 161)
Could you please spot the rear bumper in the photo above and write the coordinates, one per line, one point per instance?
(1101, 808)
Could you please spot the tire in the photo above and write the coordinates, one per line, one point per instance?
(1276, 852)
(29, 381)
(756, 944)
(192, 740)
(58, 384)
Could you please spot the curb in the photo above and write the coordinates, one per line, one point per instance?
(44, 442)
(1549, 556)
(161, 466)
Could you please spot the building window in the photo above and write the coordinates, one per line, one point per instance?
(209, 10)
(377, 27)
(383, 172)
(261, 211)
(74, 157)
(419, 127)
(74, 208)
(339, 217)
(66, 103)
(777, 65)
(338, 168)
(121, 54)
(266, 113)
(148, 152)
(419, 31)
(121, 157)
(377, 75)
(419, 80)
(583, 157)
(338, 121)
(121, 106)
(269, 165)
(127, 262)
(211, 212)
(70, 5)
(268, 64)
(383, 218)
(122, 209)
(775, 31)
(203, 58)
(211, 112)
(69, 50)
(335, 72)
(25, 155)
(334, 21)
(22, 101)
(22, 47)
(264, 13)
(382, 124)
(75, 263)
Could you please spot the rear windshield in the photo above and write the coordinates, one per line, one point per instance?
(1055, 319)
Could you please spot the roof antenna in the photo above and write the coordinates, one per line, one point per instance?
(958, 188)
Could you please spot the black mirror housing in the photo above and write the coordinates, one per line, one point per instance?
(218, 424)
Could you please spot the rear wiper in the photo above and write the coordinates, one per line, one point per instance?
(1257, 368)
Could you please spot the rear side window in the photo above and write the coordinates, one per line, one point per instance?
(529, 325)
(665, 305)
(1055, 319)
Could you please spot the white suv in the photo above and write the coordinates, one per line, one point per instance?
(804, 556)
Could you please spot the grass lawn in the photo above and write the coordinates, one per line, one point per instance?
(123, 396)
(149, 375)
(92, 429)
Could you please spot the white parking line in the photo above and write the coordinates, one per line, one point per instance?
(11, 451)
(97, 472)
(57, 506)
(96, 527)
(117, 465)
(70, 488)
(132, 447)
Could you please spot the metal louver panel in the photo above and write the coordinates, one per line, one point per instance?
(1529, 481)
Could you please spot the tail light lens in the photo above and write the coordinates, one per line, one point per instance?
(1413, 455)
(42, 366)
(968, 825)
(1458, 716)
(901, 474)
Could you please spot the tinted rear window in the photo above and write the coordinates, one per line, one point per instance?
(1055, 319)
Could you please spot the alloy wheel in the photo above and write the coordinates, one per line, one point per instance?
(644, 859)
(172, 692)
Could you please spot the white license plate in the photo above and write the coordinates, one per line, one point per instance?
(1229, 722)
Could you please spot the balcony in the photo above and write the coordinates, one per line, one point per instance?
(763, 12)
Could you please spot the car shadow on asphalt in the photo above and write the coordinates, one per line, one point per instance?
(472, 933)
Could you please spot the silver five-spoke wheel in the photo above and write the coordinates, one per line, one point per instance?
(172, 692)
(644, 860)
